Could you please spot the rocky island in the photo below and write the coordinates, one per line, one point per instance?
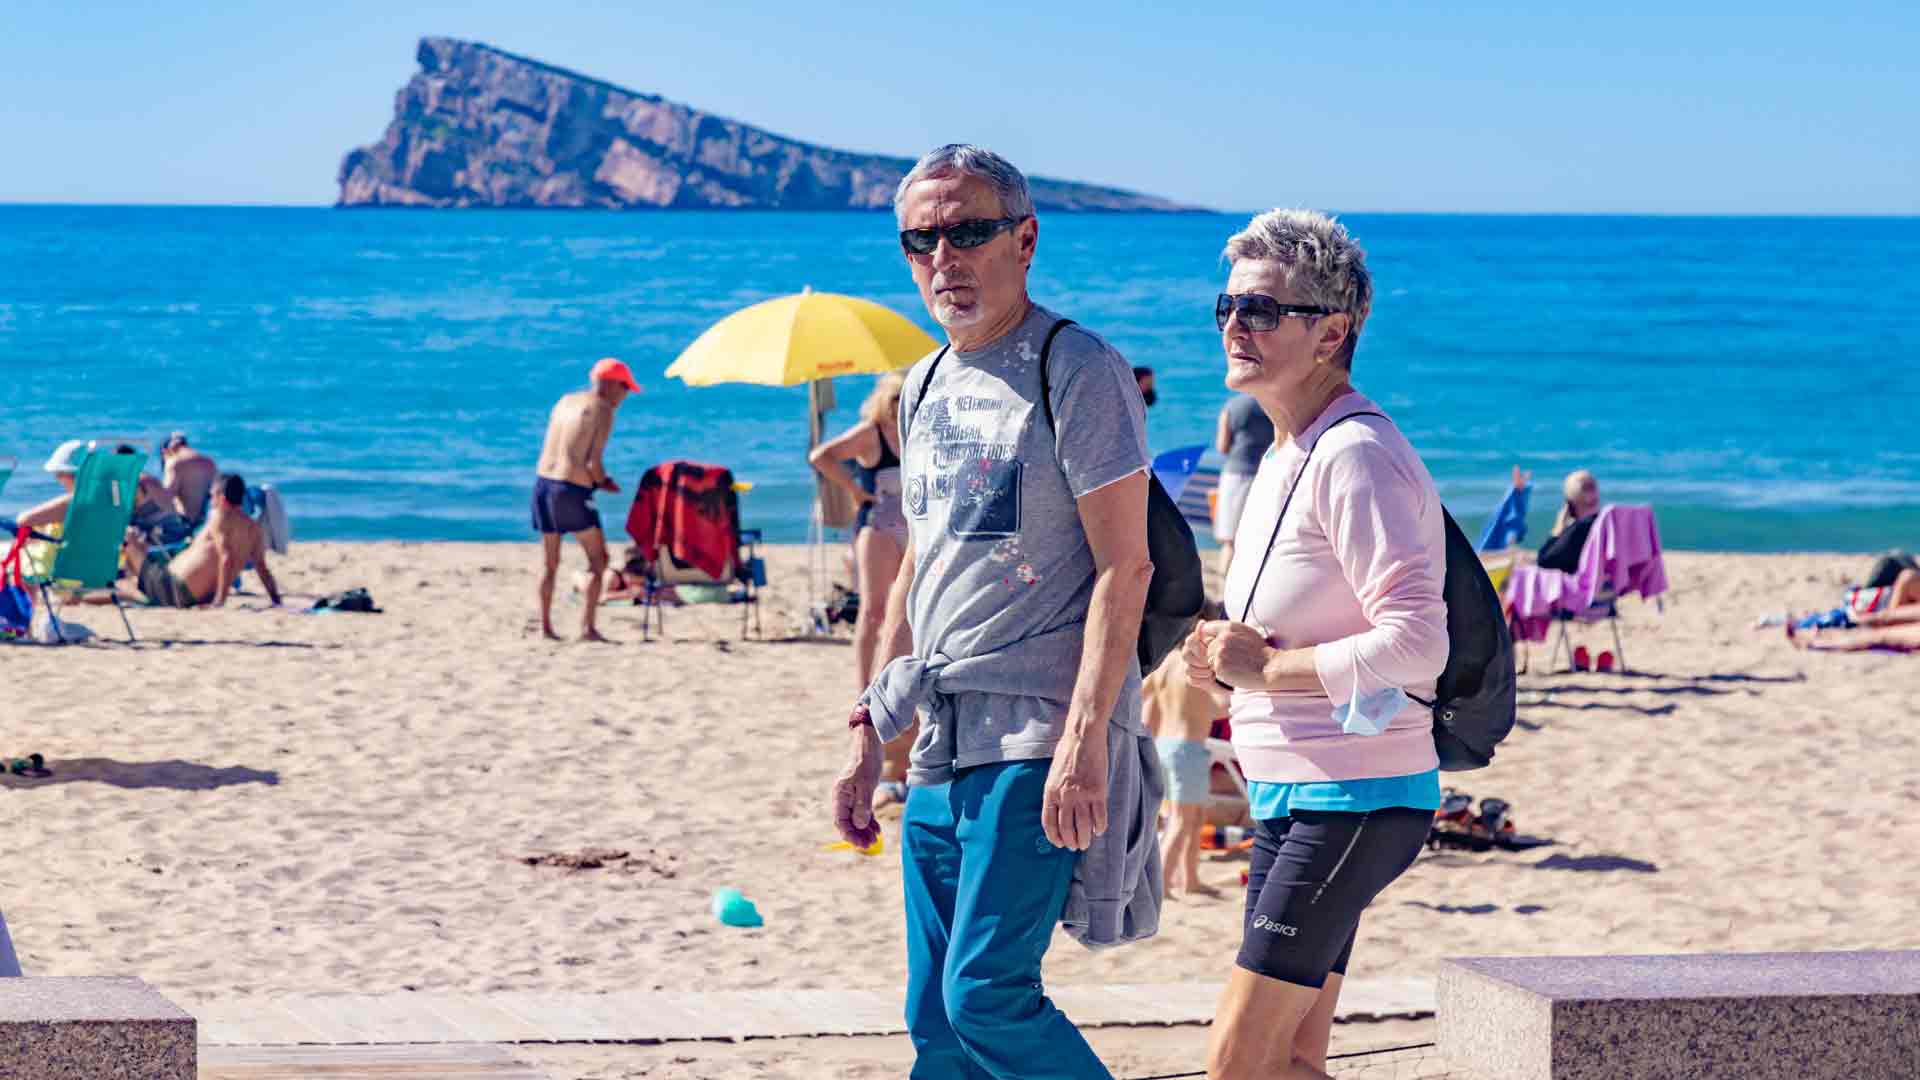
(481, 127)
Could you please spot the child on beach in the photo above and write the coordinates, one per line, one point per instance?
(1180, 716)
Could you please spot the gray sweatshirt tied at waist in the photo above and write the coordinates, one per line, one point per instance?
(1115, 895)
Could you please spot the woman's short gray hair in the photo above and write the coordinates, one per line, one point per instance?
(1008, 182)
(1323, 263)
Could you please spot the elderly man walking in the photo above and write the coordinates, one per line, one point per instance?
(1013, 624)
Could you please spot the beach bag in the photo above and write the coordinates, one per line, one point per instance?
(350, 600)
(1178, 589)
(1474, 698)
(16, 603)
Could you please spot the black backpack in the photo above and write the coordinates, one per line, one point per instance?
(1473, 701)
(1178, 589)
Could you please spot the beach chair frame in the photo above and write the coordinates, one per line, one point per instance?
(1606, 605)
(662, 574)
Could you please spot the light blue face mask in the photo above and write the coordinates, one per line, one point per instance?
(1369, 714)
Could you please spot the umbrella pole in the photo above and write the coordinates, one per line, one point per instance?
(816, 520)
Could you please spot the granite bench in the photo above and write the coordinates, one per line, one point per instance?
(1756, 1016)
(84, 1028)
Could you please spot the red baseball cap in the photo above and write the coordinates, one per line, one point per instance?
(607, 369)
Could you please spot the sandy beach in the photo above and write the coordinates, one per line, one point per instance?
(258, 801)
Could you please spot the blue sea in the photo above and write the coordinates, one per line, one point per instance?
(1757, 380)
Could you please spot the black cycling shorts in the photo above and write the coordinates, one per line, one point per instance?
(1313, 873)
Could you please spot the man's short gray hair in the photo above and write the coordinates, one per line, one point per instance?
(1008, 182)
(1323, 264)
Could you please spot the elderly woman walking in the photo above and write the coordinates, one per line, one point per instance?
(1337, 616)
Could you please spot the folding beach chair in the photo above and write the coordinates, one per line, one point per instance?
(88, 553)
(1606, 605)
(1622, 555)
(686, 521)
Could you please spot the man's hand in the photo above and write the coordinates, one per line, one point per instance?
(1074, 809)
(609, 484)
(852, 797)
(1237, 653)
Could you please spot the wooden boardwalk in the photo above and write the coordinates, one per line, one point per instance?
(448, 1062)
(635, 1016)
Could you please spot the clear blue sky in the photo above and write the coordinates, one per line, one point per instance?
(1720, 108)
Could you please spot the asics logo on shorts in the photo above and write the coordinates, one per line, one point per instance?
(1261, 922)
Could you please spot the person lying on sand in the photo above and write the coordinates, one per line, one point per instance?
(202, 574)
(628, 581)
(1889, 637)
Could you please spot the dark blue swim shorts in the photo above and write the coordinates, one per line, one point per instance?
(560, 507)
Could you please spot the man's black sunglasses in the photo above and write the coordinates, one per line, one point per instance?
(1261, 312)
(961, 234)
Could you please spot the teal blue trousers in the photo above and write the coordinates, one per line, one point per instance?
(984, 889)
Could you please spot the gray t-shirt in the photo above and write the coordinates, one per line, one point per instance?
(1249, 434)
(999, 553)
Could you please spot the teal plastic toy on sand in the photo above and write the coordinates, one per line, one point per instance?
(734, 909)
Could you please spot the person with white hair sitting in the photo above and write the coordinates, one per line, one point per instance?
(64, 464)
(1572, 524)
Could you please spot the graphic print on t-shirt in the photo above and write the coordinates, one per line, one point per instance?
(974, 467)
(986, 500)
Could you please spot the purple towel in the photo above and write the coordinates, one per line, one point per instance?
(1623, 551)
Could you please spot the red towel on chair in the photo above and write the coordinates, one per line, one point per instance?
(690, 510)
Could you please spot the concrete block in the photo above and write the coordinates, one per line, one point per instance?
(1757, 1016)
(88, 1028)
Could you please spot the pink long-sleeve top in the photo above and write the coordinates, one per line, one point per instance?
(1357, 572)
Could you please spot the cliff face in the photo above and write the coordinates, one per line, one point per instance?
(480, 127)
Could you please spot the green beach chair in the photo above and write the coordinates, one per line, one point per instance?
(88, 555)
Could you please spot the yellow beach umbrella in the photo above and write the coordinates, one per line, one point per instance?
(795, 339)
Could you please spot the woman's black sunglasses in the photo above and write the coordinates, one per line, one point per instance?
(962, 234)
(1260, 312)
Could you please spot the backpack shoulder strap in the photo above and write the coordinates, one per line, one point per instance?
(1288, 501)
(1046, 383)
(925, 381)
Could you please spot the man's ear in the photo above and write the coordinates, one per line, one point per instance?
(1028, 234)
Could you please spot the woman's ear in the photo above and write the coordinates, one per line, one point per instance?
(1333, 334)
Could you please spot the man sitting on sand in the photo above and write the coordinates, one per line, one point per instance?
(570, 471)
(202, 574)
(189, 476)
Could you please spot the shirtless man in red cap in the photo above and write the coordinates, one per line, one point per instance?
(570, 471)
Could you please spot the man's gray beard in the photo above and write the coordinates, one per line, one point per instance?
(974, 317)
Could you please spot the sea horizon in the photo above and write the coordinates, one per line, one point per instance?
(1096, 212)
(391, 372)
